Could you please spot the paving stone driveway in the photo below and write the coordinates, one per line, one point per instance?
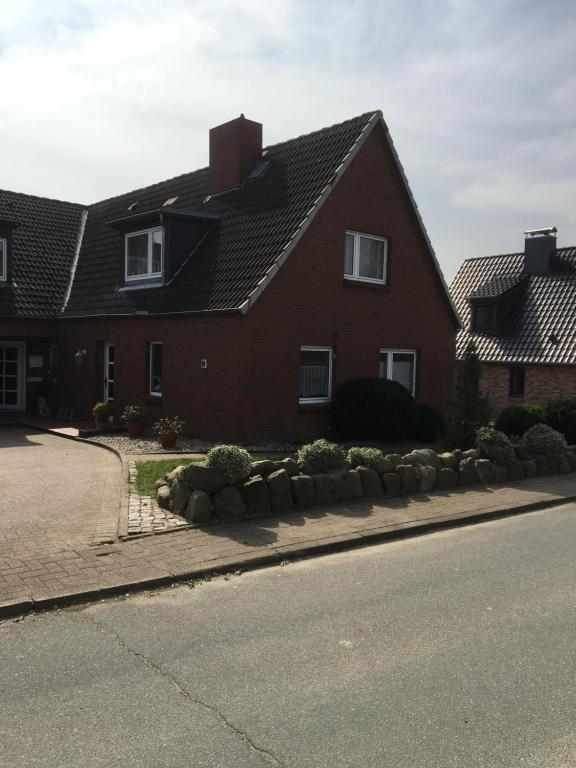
(55, 495)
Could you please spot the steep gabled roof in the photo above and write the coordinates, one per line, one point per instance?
(44, 236)
(540, 324)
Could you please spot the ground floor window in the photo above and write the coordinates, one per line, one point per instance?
(315, 374)
(155, 384)
(399, 365)
(516, 382)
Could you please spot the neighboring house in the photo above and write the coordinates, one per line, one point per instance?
(237, 296)
(520, 311)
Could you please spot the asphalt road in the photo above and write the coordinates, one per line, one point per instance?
(452, 650)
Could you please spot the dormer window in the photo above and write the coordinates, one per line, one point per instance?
(3, 260)
(144, 254)
(484, 318)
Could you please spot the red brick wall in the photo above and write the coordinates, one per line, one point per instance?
(541, 382)
(309, 303)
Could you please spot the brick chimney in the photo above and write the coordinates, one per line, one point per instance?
(235, 150)
(539, 247)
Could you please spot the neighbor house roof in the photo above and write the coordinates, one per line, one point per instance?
(43, 238)
(540, 320)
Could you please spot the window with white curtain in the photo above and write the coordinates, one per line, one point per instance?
(399, 365)
(315, 374)
(365, 257)
(144, 254)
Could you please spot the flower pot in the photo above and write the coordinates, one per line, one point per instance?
(135, 429)
(168, 439)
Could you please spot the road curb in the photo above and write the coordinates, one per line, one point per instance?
(275, 556)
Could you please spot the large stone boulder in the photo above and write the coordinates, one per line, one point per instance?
(516, 471)
(564, 465)
(179, 495)
(264, 467)
(500, 473)
(386, 467)
(394, 459)
(467, 472)
(471, 453)
(256, 496)
(408, 475)
(426, 479)
(199, 507)
(458, 454)
(448, 460)
(392, 483)
(541, 464)
(163, 496)
(446, 478)
(175, 474)
(199, 477)
(280, 492)
(160, 483)
(303, 491)
(289, 465)
(353, 486)
(484, 471)
(229, 503)
(326, 489)
(371, 485)
(553, 465)
(425, 457)
(521, 452)
(572, 459)
(530, 468)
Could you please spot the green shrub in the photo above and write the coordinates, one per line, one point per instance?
(496, 446)
(322, 456)
(169, 425)
(429, 423)
(542, 439)
(560, 414)
(231, 461)
(102, 411)
(518, 418)
(373, 409)
(366, 457)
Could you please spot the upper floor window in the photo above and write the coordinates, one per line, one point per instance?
(365, 257)
(3, 259)
(144, 254)
(400, 366)
(484, 318)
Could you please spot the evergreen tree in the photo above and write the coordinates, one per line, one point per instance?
(470, 409)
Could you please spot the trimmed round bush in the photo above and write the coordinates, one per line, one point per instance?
(496, 446)
(366, 457)
(231, 461)
(519, 418)
(543, 440)
(429, 423)
(376, 409)
(322, 455)
(560, 414)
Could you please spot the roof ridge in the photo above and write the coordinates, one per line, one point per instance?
(367, 115)
(515, 253)
(41, 197)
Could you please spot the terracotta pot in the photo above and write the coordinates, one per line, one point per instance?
(168, 439)
(135, 429)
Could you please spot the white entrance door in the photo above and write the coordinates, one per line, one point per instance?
(108, 373)
(12, 356)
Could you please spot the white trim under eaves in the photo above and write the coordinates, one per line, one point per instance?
(76, 257)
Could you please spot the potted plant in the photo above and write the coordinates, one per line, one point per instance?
(133, 416)
(102, 413)
(168, 429)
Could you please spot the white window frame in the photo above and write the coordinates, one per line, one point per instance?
(306, 400)
(356, 258)
(391, 353)
(150, 392)
(4, 260)
(149, 273)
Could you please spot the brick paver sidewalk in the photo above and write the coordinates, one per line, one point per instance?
(42, 571)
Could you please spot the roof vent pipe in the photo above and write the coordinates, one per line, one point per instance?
(539, 247)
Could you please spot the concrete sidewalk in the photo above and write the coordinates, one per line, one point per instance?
(84, 573)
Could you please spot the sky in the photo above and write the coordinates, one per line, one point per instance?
(103, 96)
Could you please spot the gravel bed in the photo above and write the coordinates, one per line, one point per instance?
(185, 445)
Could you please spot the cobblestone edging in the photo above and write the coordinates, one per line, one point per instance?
(144, 514)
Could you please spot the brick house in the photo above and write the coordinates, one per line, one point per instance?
(237, 296)
(520, 311)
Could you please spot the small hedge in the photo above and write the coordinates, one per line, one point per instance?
(322, 456)
(366, 457)
(373, 409)
(496, 446)
(429, 423)
(231, 461)
(517, 419)
(543, 440)
(560, 414)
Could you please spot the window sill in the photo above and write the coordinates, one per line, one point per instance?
(153, 399)
(353, 281)
(310, 406)
(140, 285)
